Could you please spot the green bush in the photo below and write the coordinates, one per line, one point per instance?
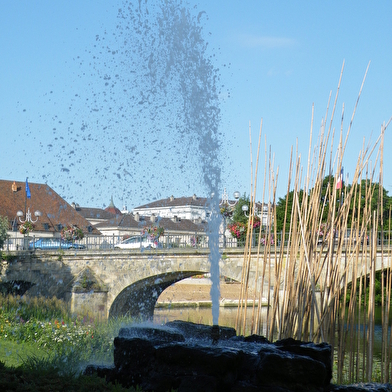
(47, 324)
(3, 230)
(61, 344)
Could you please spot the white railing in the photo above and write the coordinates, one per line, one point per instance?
(167, 241)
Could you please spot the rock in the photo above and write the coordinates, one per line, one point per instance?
(200, 331)
(318, 352)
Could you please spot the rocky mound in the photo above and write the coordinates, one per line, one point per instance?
(185, 357)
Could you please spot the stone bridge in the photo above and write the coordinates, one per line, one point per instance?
(118, 282)
(109, 283)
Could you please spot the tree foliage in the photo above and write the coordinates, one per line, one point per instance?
(238, 215)
(3, 230)
(238, 220)
(281, 208)
(367, 195)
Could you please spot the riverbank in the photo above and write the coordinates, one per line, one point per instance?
(195, 292)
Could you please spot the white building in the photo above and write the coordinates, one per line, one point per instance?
(192, 208)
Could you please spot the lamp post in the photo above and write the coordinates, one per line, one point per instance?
(225, 202)
(263, 226)
(245, 210)
(28, 218)
(225, 199)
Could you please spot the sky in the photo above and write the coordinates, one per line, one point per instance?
(97, 104)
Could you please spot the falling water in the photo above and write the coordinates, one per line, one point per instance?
(171, 58)
(150, 111)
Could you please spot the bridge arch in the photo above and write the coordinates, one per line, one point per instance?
(139, 298)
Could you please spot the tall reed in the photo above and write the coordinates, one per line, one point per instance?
(310, 280)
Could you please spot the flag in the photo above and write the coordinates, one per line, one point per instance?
(339, 182)
(28, 194)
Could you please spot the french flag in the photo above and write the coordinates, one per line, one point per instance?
(339, 183)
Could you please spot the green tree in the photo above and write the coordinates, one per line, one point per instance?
(238, 214)
(326, 195)
(281, 208)
(238, 221)
(3, 230)
(368, 188)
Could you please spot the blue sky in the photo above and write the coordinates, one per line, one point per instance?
(66, 120)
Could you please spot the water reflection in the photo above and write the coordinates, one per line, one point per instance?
(227, 318)
(203, 315)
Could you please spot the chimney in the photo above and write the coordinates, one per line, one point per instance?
(171, 198)
(194, 197)
(152, 218)
(137, 217)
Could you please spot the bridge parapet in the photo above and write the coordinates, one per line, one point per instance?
(114, 282)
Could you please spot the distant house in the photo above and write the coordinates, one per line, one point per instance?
(192, 208)
(264, 213)
(93, 215)
(111, 222)
(130, 224)
(55, 212)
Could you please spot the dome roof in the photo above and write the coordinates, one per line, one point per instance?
(112, 208)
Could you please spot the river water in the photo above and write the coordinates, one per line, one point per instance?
(228, 315)
(203, 315)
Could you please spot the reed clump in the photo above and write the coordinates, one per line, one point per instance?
(307, 278)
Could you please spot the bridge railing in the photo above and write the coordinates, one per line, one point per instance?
(167, 241)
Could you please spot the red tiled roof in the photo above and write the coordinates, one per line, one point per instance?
(112, 208)
(55, 210)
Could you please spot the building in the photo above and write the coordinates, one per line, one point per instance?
(264, 213)
(48, 212)
(192, 208)
(93, 215)
(113, 223)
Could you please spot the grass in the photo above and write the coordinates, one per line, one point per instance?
(48, 375)
(14, 354)
(44, 348)
(24, 368)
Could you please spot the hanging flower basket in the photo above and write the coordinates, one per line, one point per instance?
(71, 233)
(152, 232)
(26, 227)
(238, 230)
(226, 211)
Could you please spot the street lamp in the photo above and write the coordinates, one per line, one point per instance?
(225, 198)
(245, 210)
(226, 203)
(27, 219)
(28, 216)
